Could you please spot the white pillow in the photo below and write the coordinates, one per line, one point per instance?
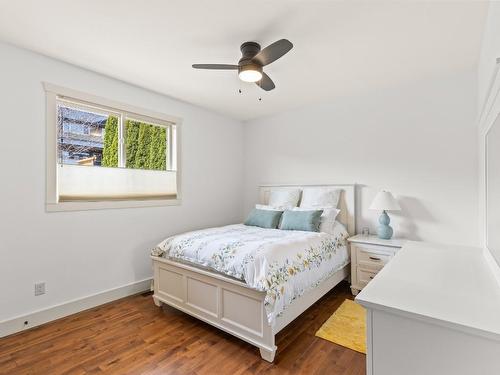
(266, 207)
(284, 198)
(327, 220)
(329, 213)
(320, 197)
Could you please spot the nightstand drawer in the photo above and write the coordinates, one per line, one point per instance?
(370, 257)
(365, 276)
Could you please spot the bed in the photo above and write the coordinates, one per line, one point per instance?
(251, 282)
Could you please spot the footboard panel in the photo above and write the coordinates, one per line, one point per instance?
(225, 303)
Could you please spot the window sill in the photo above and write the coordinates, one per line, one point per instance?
(104, 205)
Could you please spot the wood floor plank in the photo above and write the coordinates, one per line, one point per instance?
(133, 336)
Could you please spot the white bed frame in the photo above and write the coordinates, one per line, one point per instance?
(231, 305)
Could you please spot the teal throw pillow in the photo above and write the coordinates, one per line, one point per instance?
(263, 218)
(301, 220)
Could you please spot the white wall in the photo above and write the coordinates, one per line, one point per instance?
(82, 253)
(488, 89)
(417, 140)
(490, 51)
(493, 187)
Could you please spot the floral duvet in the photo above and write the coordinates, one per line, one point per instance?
(284, 264)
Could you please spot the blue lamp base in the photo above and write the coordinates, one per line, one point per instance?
(384, 230)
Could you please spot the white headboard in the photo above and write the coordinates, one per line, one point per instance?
(347, 203)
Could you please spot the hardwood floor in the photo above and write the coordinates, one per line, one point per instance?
(133, 336)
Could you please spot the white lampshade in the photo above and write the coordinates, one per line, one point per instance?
(384, 201)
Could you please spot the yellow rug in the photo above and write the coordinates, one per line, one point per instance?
(346, 327)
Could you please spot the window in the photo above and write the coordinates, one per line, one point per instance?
(102, 154)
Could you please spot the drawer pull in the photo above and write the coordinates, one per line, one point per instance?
(371, 277)
(375, 258)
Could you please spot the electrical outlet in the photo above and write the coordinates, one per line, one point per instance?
(39, 289)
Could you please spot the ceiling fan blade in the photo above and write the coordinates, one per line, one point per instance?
(273, 52)
(215, 66)
(265, 83)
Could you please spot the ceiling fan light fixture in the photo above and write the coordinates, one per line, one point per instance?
(250, 73)
(253, 58)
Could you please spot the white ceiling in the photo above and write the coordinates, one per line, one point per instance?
(340, 48)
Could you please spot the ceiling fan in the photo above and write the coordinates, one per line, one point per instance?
(253, 60)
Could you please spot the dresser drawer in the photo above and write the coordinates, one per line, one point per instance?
(365, 276)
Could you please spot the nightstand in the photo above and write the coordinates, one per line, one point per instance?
(369, 254)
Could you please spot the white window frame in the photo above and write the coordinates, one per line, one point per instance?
(54, 92)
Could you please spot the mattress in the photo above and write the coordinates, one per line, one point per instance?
(284, 264)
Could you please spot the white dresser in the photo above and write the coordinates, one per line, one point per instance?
(433, 310)
(369, 254)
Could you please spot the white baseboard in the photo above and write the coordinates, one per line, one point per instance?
(36, 318)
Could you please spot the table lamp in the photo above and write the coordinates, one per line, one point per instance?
(384, 201)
